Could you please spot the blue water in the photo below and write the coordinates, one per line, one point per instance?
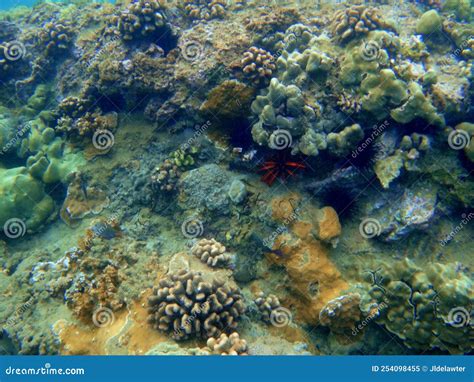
(7, 4)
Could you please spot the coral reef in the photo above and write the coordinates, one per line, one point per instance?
(82, 200)
(422, 305)
(204, 9)
(212, 253)
(356, 21)
(342, 313)
(141, 19)
(166, 176)
(405, 157)
(24, 199)
(187, 306)
(268, 306)
(258, 65)
(359, 117)
(227, 345)
(56, 37)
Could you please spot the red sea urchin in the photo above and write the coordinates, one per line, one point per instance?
(279, 167)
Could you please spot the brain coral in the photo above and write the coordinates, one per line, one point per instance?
(186, 305)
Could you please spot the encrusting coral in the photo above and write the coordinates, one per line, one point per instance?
(410, 149)
(186, 306)
(342, 313)
(212, 253)
(426, 308)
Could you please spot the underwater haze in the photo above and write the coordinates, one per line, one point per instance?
(211, 177)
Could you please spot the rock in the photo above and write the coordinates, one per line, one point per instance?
(414, 211)
(329, 227)
(178, 262)
(429, 22)
(206, 187)
(237, 191)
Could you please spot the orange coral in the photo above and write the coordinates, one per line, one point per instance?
(314, 279)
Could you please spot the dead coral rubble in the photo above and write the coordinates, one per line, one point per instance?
(187, 306)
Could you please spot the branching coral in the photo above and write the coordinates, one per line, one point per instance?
(142, 18)
(204, 9)
(165, 176)
(268, 306)
(356, 21)
(258, 65)
(212, 253)
(342, 143)
(348, 103)
(56, 37)
(186, 305)
(227, 345)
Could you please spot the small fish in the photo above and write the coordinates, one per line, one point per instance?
(104, 231)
